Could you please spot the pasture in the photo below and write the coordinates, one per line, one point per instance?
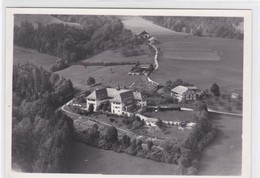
(223, 157)
(203, 61)
(107, 76)
(91, 160)
(137, 24)
(25, 55)
(116, 56)
(198, 60)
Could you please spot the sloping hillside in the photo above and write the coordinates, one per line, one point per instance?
(43, 19)
(137, 24)
(224, 27)
(25, 55)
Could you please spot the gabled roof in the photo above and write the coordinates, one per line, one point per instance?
(179, 89)
(113, 92)
(143, 33)
(125, 97)
(98, 94)
(138, 95)
(182, 89)
(116, 95)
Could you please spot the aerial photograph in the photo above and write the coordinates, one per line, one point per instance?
(127, 95)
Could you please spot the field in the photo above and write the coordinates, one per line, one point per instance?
(200, 60)
(225, 71)
(138, 24)
(116, 56)
(107, 76)
(24, 55)
(193, 55)
(87, 159)
(223, 156)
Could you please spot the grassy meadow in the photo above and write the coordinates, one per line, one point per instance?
(107, 76)
(197, 60)
(116, 56)
(225, 67)
(224, 155)
(138, 24)
(91, 160)
(25, 55)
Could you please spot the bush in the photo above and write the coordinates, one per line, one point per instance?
(91, 81)
(159, 123)
(149, 145)
(215, 89)
(111, 134)
(111, 119)
(132, 150)
(186, 157)
(207, 139)
(91, 108)
(126, 141)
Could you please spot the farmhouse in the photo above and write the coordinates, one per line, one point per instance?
(184, 93)
(140, 69)
(121, 100)
(143, 35)
(152, 40)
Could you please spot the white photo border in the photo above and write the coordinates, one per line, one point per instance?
(247, 74)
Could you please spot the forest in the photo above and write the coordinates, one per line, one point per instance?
(72, 44)
(42, 135)
(223, 27)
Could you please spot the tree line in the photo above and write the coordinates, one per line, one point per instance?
(72, 44)
(224, 27)
(42, 136)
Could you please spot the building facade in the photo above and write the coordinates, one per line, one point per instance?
(184, 93)
(121, 101)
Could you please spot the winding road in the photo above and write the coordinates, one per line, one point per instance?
(156, 66)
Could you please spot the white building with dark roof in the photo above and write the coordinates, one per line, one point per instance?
(121, 100)
(184, 93)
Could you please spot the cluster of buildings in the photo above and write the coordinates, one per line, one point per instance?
(140, 69)
(146, 36)
(122, 101)
(186, 93)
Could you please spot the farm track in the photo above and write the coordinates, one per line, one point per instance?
(156, 66)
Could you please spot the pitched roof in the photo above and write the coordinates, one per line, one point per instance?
(182, 89)
(179, 89)
(143, 33)
(98, 94)
(120, 96)
(125, 97)
(137, 95)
